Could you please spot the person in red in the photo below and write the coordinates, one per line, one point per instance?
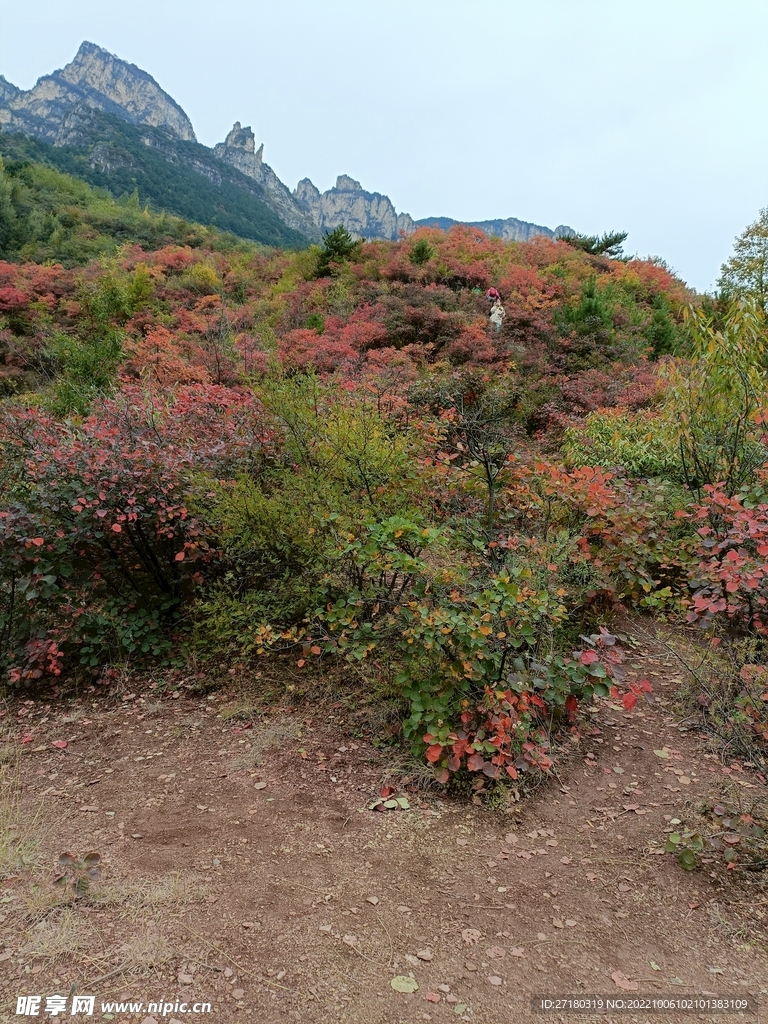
(492, 295)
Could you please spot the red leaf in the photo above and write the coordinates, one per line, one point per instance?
(588, 657)
(315, 650)
(434, 752)
(511, 771)
(476, 762)
(27, 738)
(301, 663)
(629, 700)
(180, 556)
(38, 541)
(117, 528)
(59, 744)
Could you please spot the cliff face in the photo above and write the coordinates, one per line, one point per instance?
(95, 78)
(363, 214)
(239, 150)
(511, 229)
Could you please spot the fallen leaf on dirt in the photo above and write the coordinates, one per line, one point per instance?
(459, 1008)
(425, 954)
(566, 860)
(462, 842)
(349, 940)
(556, 922)
(591, 876)
(471, 936)
(452, 999)
(403, 909)
(325, 927)
(26, 739)
(495, 952)
(433, 997)
(654, 965)
(185, 979)
(59, 744)
(621, 981)
(402, 983)
(663, 753)
(570, 923)
(444, 988)
(494, 979)
(630, 807)
(238, 993)
(517, 951)
(541, 936)
(373, 900)
(623, 887)
(260, 785)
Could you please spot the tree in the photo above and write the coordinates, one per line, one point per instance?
(338, 247)
(745, 274)
(608, 244)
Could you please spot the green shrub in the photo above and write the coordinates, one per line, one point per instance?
(643, 443)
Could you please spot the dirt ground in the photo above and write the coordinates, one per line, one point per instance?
(242, 866)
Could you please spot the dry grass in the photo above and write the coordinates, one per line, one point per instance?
(138, 899)
(21, 826)
(267, 737)
(64, 934)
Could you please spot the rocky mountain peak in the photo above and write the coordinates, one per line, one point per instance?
(364, 214)
(95, 78)
(346, 184)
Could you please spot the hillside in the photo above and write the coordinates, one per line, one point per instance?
(50, 217)
(331, 565)
(182, 178)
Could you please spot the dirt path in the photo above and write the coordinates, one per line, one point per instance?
(272, 892)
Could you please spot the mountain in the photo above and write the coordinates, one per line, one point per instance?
(365, 214)
(107, 121)
(184, 178)
(98, 79)
(511, 229)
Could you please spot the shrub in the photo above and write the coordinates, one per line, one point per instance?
(642, 443)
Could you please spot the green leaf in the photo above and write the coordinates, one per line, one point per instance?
(402, 983)
(390, 804)
(403, 803)
(687, 859)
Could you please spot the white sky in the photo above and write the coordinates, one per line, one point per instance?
(641, 115)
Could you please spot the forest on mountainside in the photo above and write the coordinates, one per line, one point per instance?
(216, 452)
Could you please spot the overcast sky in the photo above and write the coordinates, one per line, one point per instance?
(638, 115)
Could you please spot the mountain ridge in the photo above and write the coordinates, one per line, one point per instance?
(62, 110)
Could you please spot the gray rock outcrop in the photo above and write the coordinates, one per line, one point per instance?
(511, 229)
(95, 78)
(364, 214)
(239, 150)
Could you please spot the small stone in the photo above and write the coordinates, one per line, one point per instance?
(238, 993)
(403, 910)
(373, 900)
(228, 972)
(260, 785)
(185, 979)
(425, 954)
(444, 988)
(451, 998)
(470, 966)
(494, 979)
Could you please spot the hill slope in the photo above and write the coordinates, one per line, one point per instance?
(183, 178)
